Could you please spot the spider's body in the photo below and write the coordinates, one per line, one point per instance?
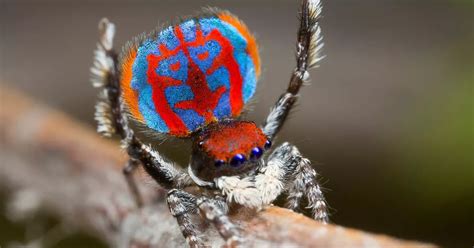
(192, 80)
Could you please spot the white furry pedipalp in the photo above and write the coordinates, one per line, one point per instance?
(269, 182)
(241, 191)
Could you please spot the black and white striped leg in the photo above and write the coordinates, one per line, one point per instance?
(306, 180)
(182, 206)
(308, 49)
(295, 196)
(279, 169)
(302, 182)
(128, 171)
(112, 117)
(287, 167)
(215, 211)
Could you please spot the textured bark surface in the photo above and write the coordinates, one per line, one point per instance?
(51, 162)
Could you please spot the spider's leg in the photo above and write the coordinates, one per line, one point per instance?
(301, 180)
(128, 171)
(272, 178)
(182, 206)
(215, 211)
(287, 168)
(112, 116)
(308, 50)
(305, 181)
(295, 195)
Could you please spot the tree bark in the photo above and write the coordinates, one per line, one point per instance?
(60, 165)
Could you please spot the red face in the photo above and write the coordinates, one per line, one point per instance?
(228, 148)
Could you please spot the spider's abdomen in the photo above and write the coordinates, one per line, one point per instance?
(189, 75)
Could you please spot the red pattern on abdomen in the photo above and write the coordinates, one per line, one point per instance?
(205, 100)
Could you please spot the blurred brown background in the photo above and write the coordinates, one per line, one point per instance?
(388, 119)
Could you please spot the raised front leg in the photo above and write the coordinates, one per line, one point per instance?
(308, 49)
(112, 116)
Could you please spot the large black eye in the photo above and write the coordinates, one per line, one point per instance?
(256, 153)
(219, 163)
(268, 144)
(237, 160)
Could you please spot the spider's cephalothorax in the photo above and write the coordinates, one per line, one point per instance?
(192, 80)
(227, 148)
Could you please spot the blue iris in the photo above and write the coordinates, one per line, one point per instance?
(256, 153)
(237, 160)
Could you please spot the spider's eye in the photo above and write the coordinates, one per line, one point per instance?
(201, 144)
(268, 144)
(256, 153)
(237, 160)
(219, 163)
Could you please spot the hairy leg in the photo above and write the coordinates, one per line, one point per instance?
(288, 169)
(308, 49)
(295, 196)
(272, 178)
(306, 180)
(215, 211)
(302, 182)
(182, 206)
(128, 171)
(112, 118)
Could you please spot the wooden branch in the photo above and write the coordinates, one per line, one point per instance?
(51, 162)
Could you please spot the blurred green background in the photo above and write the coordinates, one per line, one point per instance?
(387, 121)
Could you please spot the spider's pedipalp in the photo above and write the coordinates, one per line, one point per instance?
(240, 190)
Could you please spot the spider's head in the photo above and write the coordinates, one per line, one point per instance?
(227, 148)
